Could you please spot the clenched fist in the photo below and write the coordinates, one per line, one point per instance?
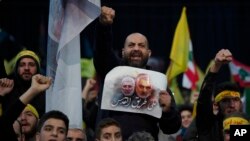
(224, 56)
(107, 15)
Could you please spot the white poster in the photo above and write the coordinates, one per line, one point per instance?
(133, 90)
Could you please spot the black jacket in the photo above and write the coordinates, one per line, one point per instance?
(209, 126)
(105, 59)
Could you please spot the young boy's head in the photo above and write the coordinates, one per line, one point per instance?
(52, 125)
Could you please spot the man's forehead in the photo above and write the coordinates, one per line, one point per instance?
(55, 123)
(144, 82)
(27, 111)
(27, 59)
(77, 131)
(143, 77)
(110, 128)
(229, 98)
(135, 37)
(127, 79)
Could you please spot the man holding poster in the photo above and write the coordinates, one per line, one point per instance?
(160, 106)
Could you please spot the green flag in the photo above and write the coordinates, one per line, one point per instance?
(87, 68)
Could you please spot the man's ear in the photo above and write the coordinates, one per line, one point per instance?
(149, 53)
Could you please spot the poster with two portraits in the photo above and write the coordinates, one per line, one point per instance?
(135, 90)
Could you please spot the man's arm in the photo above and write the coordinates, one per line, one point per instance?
(204, 120)
(39, 83)
(204, 116)
(104, 57)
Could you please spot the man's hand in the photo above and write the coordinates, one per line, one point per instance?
(224, 56)
(165, 101)
(6, 85)
(107, 15)
(40, 83)
(89, 92)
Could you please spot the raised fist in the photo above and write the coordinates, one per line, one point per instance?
(107, 15)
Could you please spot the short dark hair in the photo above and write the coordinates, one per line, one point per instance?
(185, 107)
(106, 122)
(141, 136)
(53, 114)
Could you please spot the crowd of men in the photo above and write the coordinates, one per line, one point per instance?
(22, 99)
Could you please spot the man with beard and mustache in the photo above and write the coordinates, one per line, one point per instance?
(27, 64)
(144, 87)
(135, 53)
(226, 97)
(29, 120)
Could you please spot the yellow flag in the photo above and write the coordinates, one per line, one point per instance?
(194, 109)
(179, 100)
(180, 47)
(9, 65)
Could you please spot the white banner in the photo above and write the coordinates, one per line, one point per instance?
(133, 90)
(67, 18)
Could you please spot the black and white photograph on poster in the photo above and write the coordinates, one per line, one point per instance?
(135, 90)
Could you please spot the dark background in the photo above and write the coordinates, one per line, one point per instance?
(213, 25)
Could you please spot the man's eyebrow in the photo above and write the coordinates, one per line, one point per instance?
(63, 128)
(107, 134)
(48, 125)
(130, 42)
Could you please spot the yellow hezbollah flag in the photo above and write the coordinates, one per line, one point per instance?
(179, 100)
(180, 47)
